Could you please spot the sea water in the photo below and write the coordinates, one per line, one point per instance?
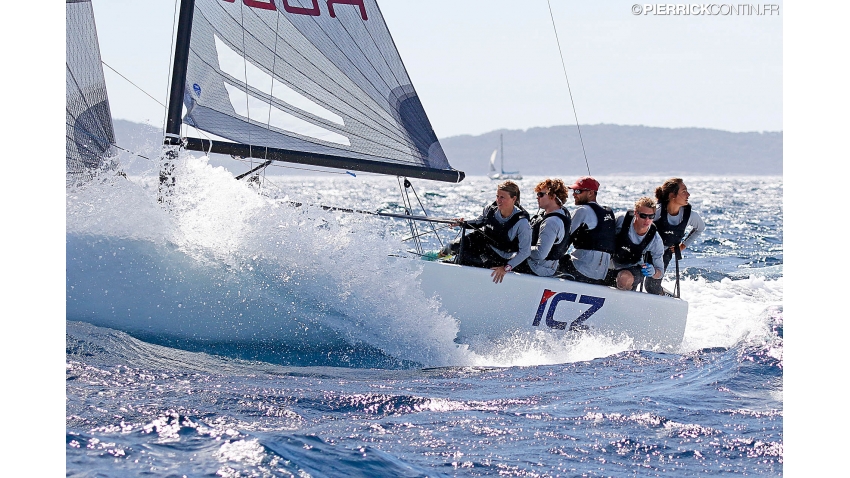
(366, 379)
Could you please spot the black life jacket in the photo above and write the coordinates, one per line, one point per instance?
(672, 235)
(497, 233)
(601, 237)
(559, 248)
(627, 251)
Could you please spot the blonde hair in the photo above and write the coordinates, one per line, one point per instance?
(645, 201)
(555, 187)
(511, 188)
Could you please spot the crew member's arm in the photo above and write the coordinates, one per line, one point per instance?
(618, 222)
(548, 235)
(583, 215)
(521, 231)
(697, 227)
(523, 234)
(656, 249)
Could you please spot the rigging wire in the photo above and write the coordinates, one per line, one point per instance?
(406, 183)
(101, 139)
(245, 72)
(275, 165)
(128, 81)
(408, 209)
(432, 231)
(564, 65)
(131, 152)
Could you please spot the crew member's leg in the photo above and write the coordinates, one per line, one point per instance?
(568, 271)
(471, 249)
(653, 286)
(626, 280)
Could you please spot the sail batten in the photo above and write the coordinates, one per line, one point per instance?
(314, 79)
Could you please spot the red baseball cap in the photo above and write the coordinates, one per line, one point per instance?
(586, 182)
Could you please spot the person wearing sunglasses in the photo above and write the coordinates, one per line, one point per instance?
(639, 248)
(672, 218)
(501, 236)
(549, 229)
(591, 235)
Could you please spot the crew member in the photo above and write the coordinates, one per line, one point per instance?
(638, 247)
(591, 235)
(501, 238)
(672, 218)
(549, 229)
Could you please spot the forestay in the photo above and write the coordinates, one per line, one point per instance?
(309, 82)
(88, 122)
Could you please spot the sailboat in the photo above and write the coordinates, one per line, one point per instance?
(322, 84)
(502, 174)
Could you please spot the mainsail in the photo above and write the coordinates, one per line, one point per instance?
(88, 121)
(302, 81)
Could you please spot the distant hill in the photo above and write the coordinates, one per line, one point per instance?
(557, 150)
(614, 149)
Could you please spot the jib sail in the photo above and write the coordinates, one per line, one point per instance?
(88, 122)
(304, 81)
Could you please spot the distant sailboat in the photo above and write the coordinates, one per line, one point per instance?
(502, 174)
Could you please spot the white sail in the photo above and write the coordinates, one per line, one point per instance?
(317, 83)
(88, 121)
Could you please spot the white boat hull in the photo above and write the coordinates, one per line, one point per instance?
(140, 288)
(528, 302)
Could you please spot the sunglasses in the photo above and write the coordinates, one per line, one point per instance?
(646, 216)
(579, 191)
(540, 194)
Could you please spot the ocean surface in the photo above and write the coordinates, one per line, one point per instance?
(351, 390)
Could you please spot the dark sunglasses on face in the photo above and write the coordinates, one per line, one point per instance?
(540, 194)
(646, 216)
(579, 191)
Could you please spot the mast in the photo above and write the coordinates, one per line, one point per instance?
(178, 74)
(173, 121)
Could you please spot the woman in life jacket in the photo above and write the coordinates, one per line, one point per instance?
(550, 229)
(672, 218)
(501, 236)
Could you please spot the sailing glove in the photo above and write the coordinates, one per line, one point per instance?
(647, 270)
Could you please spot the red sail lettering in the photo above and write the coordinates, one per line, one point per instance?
(359, 3)
(303, 10)
(267, 5)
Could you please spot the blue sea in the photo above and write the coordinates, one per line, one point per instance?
(387, 391)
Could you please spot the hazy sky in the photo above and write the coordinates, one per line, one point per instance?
(481, 65)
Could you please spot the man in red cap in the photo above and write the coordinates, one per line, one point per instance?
(591, 235)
